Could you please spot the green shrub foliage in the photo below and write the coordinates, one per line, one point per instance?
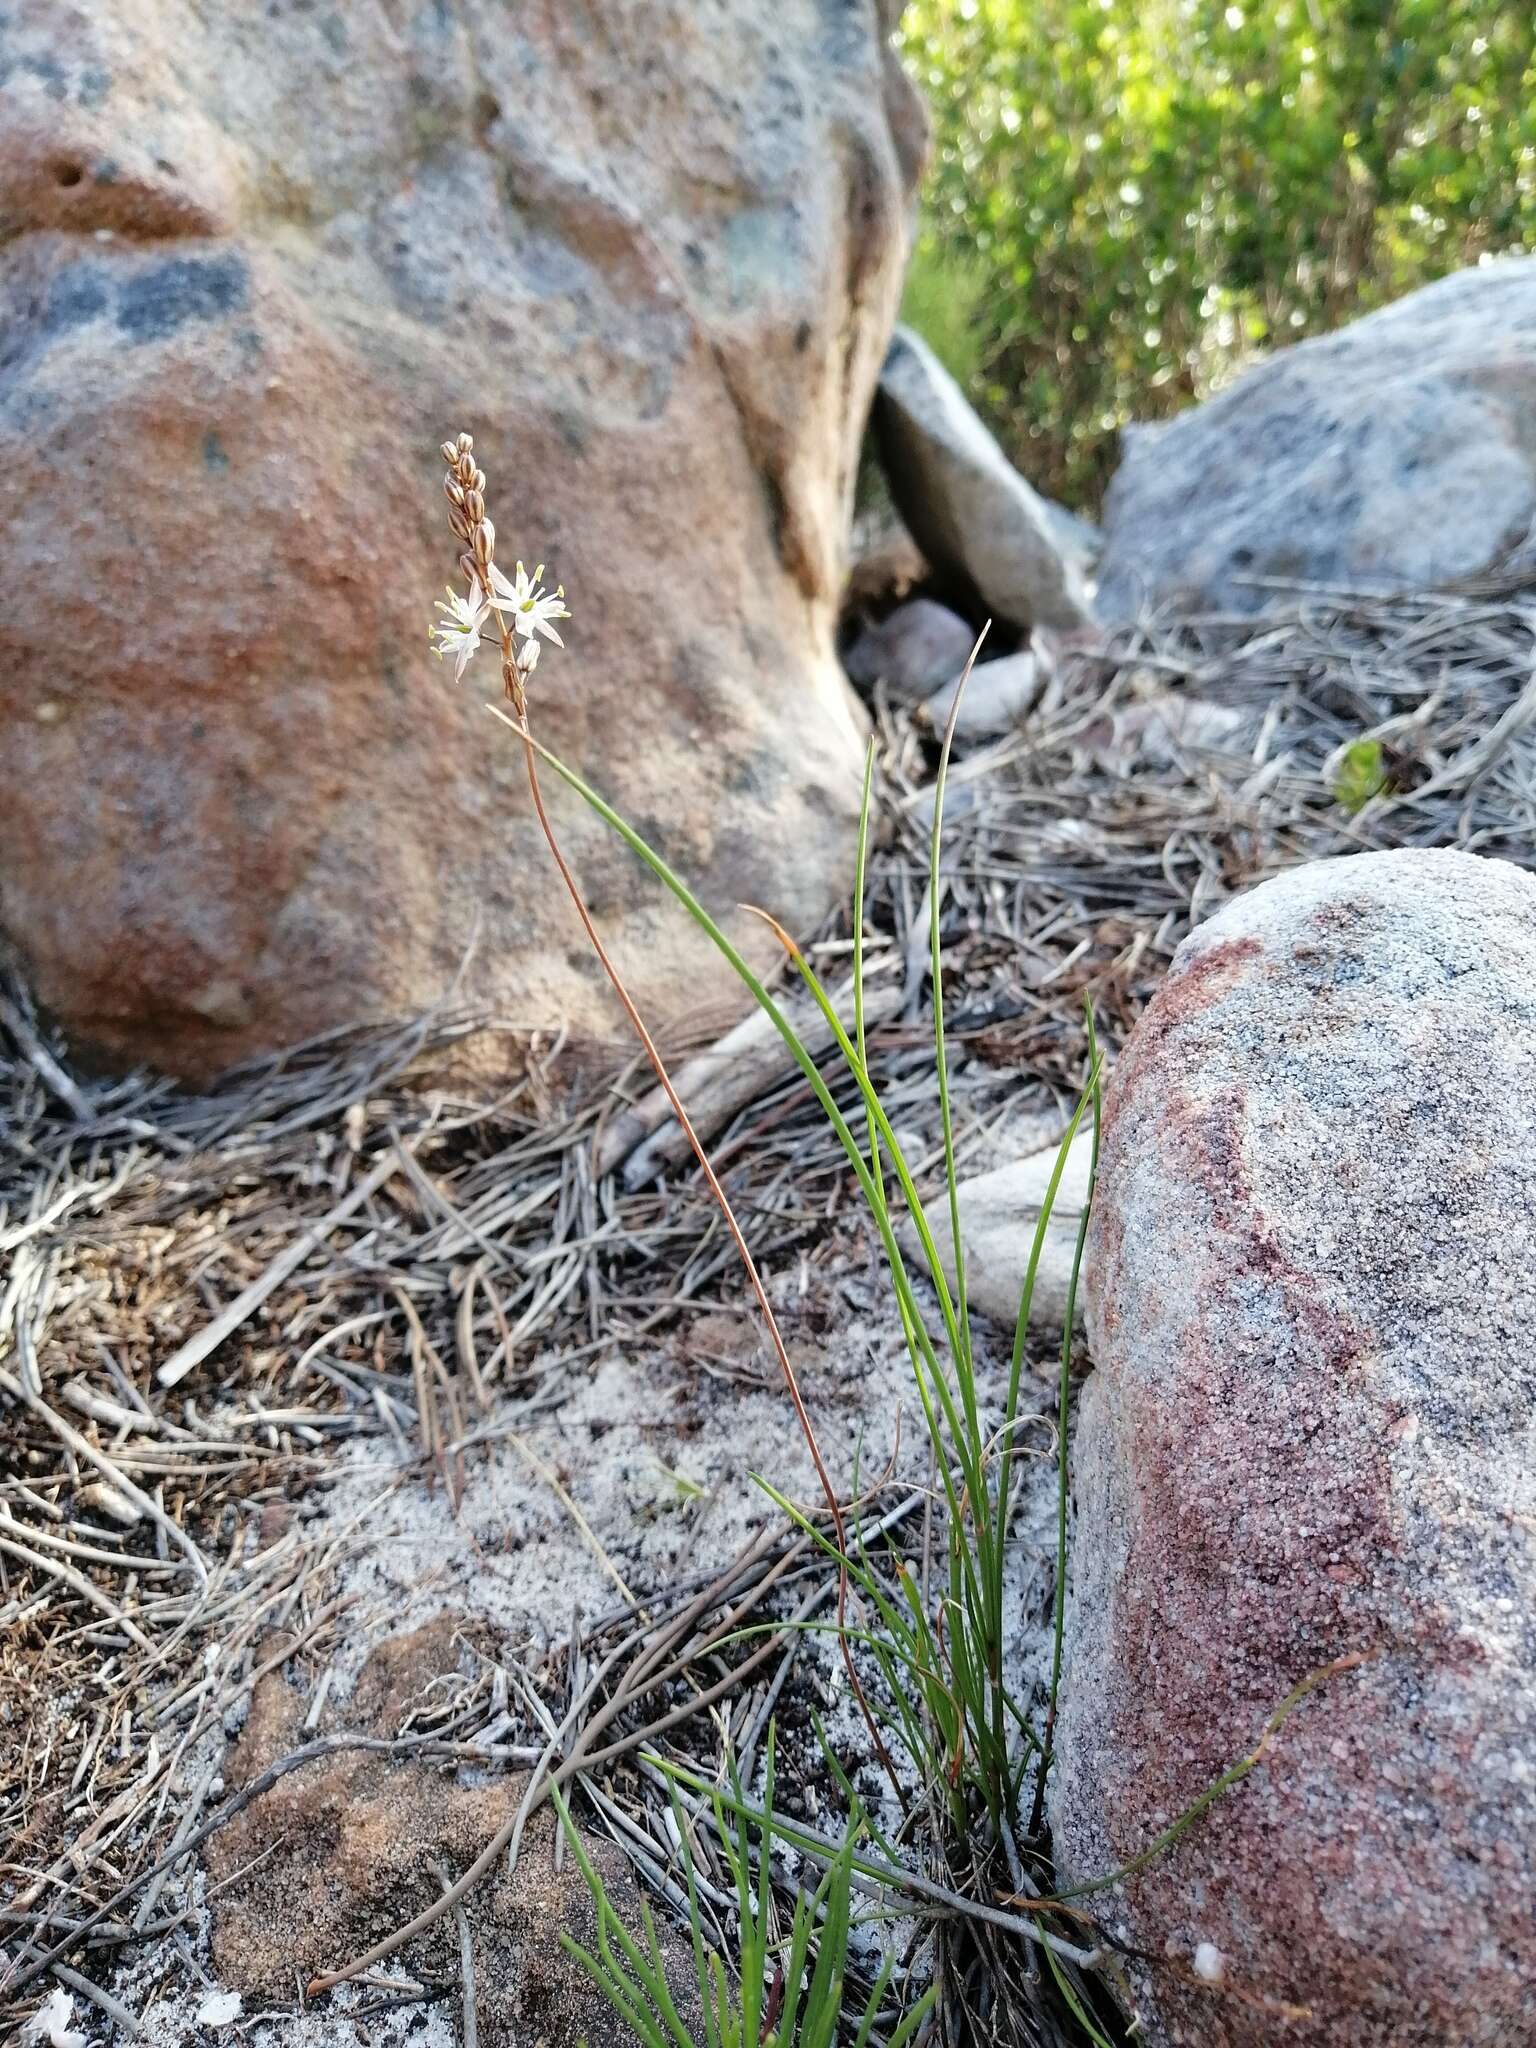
(1130, 197)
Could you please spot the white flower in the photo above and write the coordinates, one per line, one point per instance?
(50, 2023)
(531, 607)
(527, 657)
(458, 631)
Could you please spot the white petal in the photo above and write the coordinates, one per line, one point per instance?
(548, 631)
(466, 613)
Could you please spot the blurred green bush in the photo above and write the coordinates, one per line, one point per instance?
(1129, 197)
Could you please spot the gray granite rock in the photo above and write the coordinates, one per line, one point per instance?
(1399, 453)
(1311, 1436)
(968, 509)
(912, 650)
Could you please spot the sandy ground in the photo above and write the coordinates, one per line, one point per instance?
(627, 1471)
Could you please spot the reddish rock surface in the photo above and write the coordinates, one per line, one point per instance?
(256, 264)
(1309, 1435)
(342, 1851)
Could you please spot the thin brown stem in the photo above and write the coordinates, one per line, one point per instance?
(466, 493)
(722, 1200)
(515, 693)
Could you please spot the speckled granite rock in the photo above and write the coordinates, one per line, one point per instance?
(1311, 1434)
(255, 263)
(1399, 453)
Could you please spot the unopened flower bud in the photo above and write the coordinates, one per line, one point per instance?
(454, 489)
(450, 453)
(469, 568)
(485, 541)
(460, 524)
(465, 443)
(479, 480)
(473, 503)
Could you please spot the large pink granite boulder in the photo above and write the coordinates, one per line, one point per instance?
(1311, 1435)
